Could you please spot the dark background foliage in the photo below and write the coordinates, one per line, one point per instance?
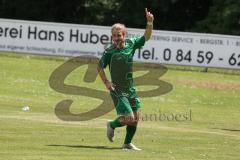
(208, 16)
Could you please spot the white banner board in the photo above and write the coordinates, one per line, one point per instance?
(165, 47)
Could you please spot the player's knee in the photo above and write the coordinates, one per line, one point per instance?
(128, 119)
(133, 121)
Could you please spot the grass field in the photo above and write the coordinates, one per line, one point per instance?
(210, 100)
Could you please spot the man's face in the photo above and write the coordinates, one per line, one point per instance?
(118, 37)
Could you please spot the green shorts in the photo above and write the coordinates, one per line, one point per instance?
(124, 104)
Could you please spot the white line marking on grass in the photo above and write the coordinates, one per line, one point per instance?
(100, 123)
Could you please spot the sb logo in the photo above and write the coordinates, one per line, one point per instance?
(62, 108)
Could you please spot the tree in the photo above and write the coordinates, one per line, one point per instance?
(211, 16)
(179, 15)
(43, 10)
(223, 18)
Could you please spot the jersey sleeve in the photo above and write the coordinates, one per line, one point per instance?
(105, 60)
(138, 41)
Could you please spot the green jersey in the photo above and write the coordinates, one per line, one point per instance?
(120, 62)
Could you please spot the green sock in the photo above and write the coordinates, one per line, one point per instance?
(115, 123)
(130, 133)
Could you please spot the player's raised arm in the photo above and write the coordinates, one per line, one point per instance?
(149, 27)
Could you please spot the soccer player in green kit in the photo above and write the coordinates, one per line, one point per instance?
(119, 58)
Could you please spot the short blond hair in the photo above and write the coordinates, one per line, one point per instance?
(119, 26)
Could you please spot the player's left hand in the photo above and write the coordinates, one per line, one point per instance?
(149, 15)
